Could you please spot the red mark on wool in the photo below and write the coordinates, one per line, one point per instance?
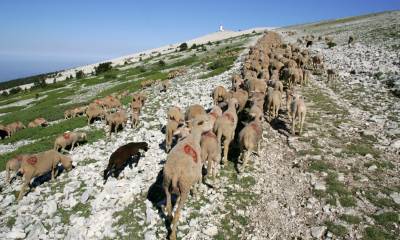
(66, 135)
(229, 116)
(190, 151)
(32, 160)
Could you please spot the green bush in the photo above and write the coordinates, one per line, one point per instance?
(331, 44)
(183, 47)
(103, 67)
(80, 74)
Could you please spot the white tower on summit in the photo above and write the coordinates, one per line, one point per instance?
(221, 28)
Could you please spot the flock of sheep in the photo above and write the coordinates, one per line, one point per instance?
(201, 136)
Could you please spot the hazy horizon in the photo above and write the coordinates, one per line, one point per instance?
(46, 36)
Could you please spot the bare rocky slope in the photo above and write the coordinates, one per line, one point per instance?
(339, 180)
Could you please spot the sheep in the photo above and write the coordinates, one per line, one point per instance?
(13, 165)
(298, 110)
(257, 99)
(210, 152)
(219, 94)
(175, 113)
(38, 122)
(193, 111)
(241, 96)
(225, 126)
(182, 170)
(332, 75)
(69, 139)
(68, 113)
(38, 164)
(135, 119)
(306, 76)
(256, 85)
(120, 157)
(171, 128)
(249, 138)
(214, 114)
(94, 112)
(289, 99)
(111, 102)
(116, 120)
(237, 82)
(317, 61)
(14, 127)
(274, 102)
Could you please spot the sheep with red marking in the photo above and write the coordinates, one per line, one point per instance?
(225, 126)
(182, 169)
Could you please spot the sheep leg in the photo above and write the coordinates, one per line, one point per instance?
(293, 123)
(8, 174)
(226, 149)
(27, 179)
(168, 207)
(177, 214)
(72, 145)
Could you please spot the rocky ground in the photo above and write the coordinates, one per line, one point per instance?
(339, 180)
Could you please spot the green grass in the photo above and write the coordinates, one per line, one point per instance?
(129, 218)
(350, 219)
(387, 218)
(376, 233)
(337, 229)
(10, 221)
(219, 66)
(381, 202)
(361, 148)
(319, 166)
(11, 109)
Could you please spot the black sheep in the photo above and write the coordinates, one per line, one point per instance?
(124, 155)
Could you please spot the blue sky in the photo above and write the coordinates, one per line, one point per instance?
(66, 33)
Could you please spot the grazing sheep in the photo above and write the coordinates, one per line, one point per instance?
(69, 139)
(289, 99)
(298, 110)
(13, 165)
(237, 82)
(317, 61)
(120, 157)
(38, 164)
(193, 111)
(94, 112)
(116, 120)
(278, 85)
(225, 126)
(214, 114)
(38, 122)
(249, 138)
(14, 127)
(219, 94)
(68, 113)
(182, 170)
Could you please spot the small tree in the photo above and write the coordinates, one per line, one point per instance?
(15, 90)
(103, 67)
(331, 44)
(194, 46)
(183, 47)
(4, 94)
(80, 74)
(161, 63)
